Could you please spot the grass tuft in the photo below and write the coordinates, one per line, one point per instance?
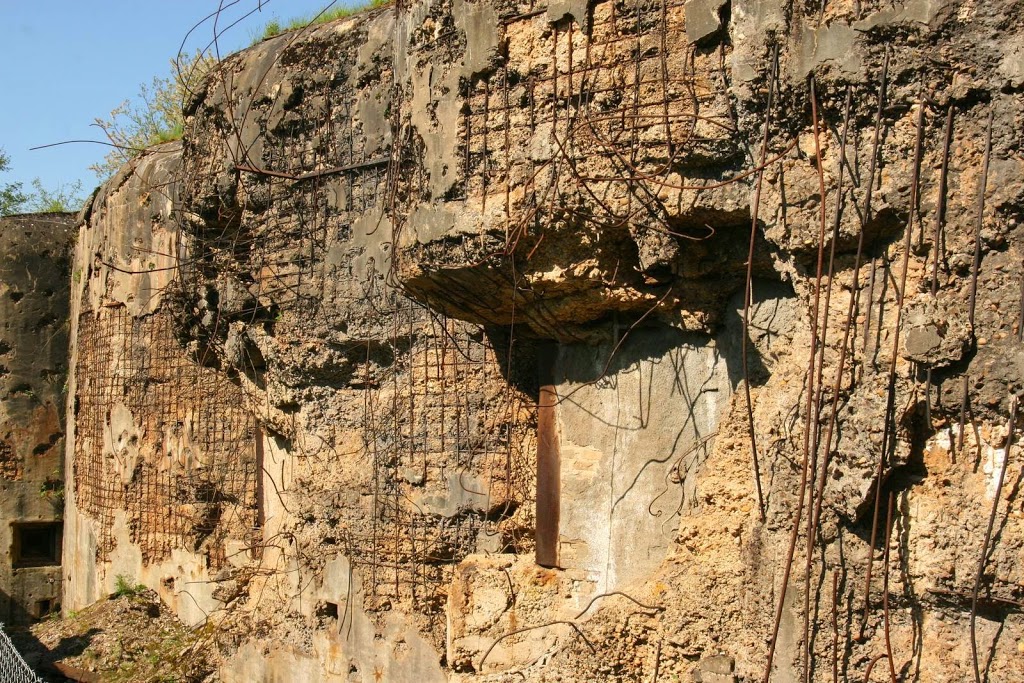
(124, 588)
(275, 27)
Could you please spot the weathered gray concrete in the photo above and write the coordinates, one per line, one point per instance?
(34, 280)
(633, 433)
(703, 19)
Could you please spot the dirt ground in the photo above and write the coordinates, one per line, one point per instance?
(128, 638)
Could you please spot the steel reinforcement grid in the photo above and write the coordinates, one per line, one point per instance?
(13, 668)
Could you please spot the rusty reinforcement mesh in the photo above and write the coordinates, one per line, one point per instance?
(445, 424)
(441, 422)
(618, 87)
(182, 469)
(444, 448)
(620, 105)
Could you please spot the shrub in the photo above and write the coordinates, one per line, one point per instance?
(62, 199)
(14, 198)
(156, 116)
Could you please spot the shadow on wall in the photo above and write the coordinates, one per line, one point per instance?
(773, 316)
(40, 658)
(635, 419)
(772, 319)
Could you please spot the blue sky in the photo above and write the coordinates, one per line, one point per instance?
(67, 62)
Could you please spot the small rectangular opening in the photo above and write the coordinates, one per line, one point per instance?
(45, 608)
(36, 544)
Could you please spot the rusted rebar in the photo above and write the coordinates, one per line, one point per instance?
(940, 216)
(980, 219)
(888, 428)
(940, 203)
(1020, 318)
(814, 423)
(816, 492)
(886, 622)
(749, 286)
(983, 560)
(975, 268)
(871, 666)
(808, 409)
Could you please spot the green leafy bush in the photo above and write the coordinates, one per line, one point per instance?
(15, 199)
(62, 199)
(155, 116)
(12, 197)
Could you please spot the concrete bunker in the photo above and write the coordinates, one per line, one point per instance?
(373, 295)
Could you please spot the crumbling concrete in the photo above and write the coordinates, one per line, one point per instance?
(376, 232)
(161, 481)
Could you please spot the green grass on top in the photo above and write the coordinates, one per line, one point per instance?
(275, 26)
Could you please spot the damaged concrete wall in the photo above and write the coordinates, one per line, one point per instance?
(620, 165)
(35, 277)
(386, 441)
(162, 475)
(751, 271)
